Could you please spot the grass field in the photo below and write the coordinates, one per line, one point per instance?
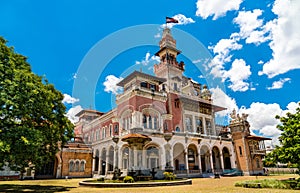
(225, 184)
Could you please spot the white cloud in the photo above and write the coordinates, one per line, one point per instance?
(69, 100)
(148, 59)
(237, 75)
(220, 98)
(278, 84)
(285, 36)
(182, 20)
(251, 28)
(72, 112)
(262, 118)
(216, 8)
(222, 55)
(110, 84)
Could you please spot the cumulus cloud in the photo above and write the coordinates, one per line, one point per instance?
(237, 75)
(220, 98)
(239, 71)
(222, 55)
(182, 20)
(216, 8)
(279, 84)
(69, 100)
(110, 84)
(147, 59)
(285, 44)
(72, 112)
(251, 27)
(262, 118)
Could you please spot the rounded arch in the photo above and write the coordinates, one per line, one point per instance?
(96, 160)
(179, 156)
(126, 118)
(111, 153)
(152, 156)
(103, 161)
(216, 159)
(125, 157)
(205, 158)
(193, 161)
(226, 158)
(124, 109)
(151, 118)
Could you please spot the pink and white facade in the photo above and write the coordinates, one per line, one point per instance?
(165, 121)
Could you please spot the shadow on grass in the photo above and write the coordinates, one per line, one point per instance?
(33, 188)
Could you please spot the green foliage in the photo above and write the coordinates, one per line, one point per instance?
(289, 149)
(128, 179)
(169, 176)
(33, 121)
(100, 179)
(269, 183)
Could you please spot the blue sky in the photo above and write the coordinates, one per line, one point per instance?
(253, 48)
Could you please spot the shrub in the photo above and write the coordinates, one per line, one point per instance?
(128, 179)
(169, 176)
(100, 179)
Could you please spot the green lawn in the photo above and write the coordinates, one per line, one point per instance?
(225, 184)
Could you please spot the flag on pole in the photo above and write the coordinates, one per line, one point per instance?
(171, 20)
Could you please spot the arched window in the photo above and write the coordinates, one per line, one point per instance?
(155, 123)
(125, 156)
(77, 166)
(110, 130)
(188, 123)
(177, 129)
(150, 122)
(145, 121)
(257, 163)
(82, 166)
(152, 157)
(71, 166)
(199, 125)
(116, 129)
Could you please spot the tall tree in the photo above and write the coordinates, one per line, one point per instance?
(32, 116)
(289, 149)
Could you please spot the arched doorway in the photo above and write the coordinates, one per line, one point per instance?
(111, 159)
(96, 161)
(205, 159)
(226, 158)
(152, 157)
(125, 158)
(103, 161)
(179, 155)
(193, 160)
(216, 159)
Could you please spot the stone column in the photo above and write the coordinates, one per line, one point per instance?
(204, 125)
(107, 161)
(116, 156)
(93, 166)
(222, 161)
(194, 124)
(211, 161)
(186, 162)
(199, 161)
(99, 165)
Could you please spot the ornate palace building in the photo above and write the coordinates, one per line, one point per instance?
(161, 122)
(165, 122)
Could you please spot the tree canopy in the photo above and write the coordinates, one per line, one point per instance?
(32, 116)
(289, 149)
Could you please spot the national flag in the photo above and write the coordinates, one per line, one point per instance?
(171, 20)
